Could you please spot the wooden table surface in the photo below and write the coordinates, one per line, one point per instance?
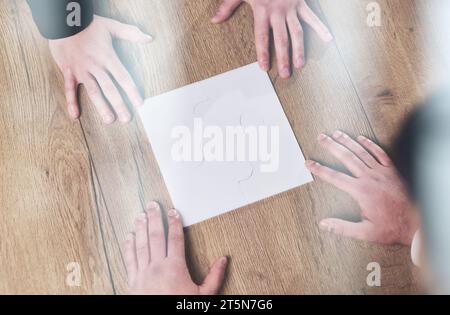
(70, 191)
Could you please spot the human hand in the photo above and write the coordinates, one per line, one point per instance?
(387, 212)
(157, 267)
(89, 58)
(283, 16)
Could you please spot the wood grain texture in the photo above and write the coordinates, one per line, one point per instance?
(49, 217)
(71, 191)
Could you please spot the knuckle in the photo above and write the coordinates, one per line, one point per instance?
(91, 62)
(363, 189)
(386, 159)
(155, 234)
(297, 31)
(109, 88)
(66, 69)
(128, 27)
(331, 174)
(346, 155)
(157, 268)
(262, 37)
(129, 259)
(92, 90)
(264, 56)
(108, 55)
(69, 85)
(176, 236)
(303, 8)
(279, 8)
(141, 247)
(128, 85)
(154, 215)
(363, 154)
(339, 230)
(224, 9)
(261, 10)
(283, 40)
(125, 79)
(317, 170)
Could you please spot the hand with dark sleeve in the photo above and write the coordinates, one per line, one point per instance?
(81, 44)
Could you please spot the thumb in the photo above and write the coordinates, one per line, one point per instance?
(129, 32)
(226, 10)
(361, 230)
(214, 280)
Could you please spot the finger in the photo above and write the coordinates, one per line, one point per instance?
(313, 20)
(71, 86)
(361, 231)
(376, 150)
(156, 232)
(281, 39)
(356, 148)
(123, 77)
(262, 31)
(142, 245)
(296, 31)
(95, 94)
(214, 280)
(340, 180)
(128, 32)
(130, 258)
(113, 95)
(175, 246)
(344, 155)
(225, 10)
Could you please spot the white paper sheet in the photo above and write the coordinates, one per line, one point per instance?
(201, 188)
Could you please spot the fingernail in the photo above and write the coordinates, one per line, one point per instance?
(142, 217)
(125, 118)
(73, 111)
(285, 73)
(223, 261)
(337, 134)
(109, 119)
(310, 163)
(264, 65)
(324, 226)
(139, 101)
(173, 213)
(215, 18)
(299, 63)
(322, 137)
(148, 37)
(362, 138)
(153, 206)
(328, 37)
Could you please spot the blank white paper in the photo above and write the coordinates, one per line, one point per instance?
(204, 189)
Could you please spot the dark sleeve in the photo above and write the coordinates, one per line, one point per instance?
(59, 18)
